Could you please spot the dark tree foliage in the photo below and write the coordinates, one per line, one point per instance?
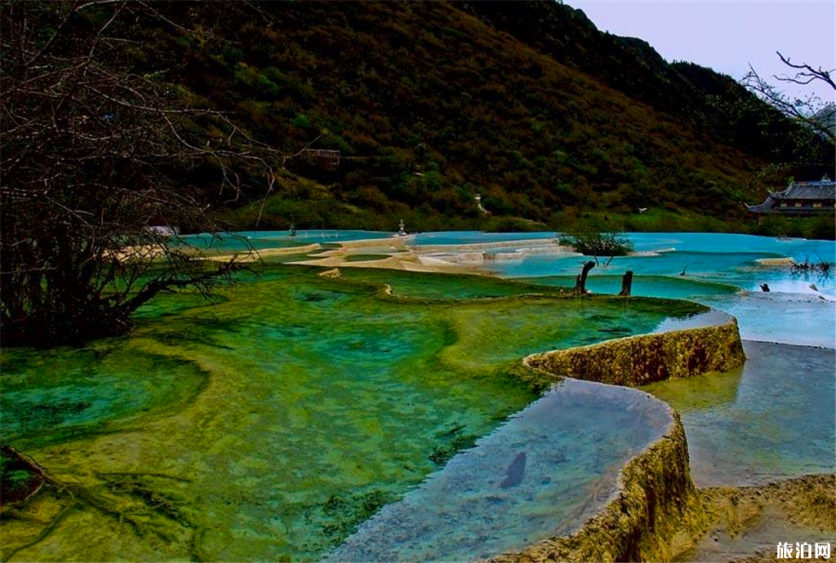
(592, 240)
(94, 154)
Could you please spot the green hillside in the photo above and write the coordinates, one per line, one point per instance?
(429, 104)
(695, 94)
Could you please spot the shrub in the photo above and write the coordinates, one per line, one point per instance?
(591, 241)
(302, 122)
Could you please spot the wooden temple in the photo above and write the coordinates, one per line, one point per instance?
(799, 199)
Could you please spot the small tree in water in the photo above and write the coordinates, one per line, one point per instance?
(94, 153)
(591, 240)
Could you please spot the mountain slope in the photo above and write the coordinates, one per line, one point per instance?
(429, 104)
(694, 94)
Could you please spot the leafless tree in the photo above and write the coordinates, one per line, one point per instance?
(819, 115)
(93, 154)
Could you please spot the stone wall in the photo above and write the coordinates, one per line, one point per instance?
(657, 513)
(638, 360)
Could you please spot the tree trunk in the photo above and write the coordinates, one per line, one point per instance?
(626, 284)
(580, 283)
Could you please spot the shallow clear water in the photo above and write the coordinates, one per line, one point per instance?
(773, 418)
(732, 268)
(473, 237)
(760, 534)
(261, 240)
(644, 286)
(788, 318)
(791, 317)
(706, 257)
(277, 420)
(542, 473)
(721, 271)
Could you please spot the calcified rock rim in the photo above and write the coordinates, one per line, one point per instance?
(657, 512)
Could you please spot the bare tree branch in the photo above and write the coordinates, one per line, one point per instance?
(94, 153)
(813, 112)
(809, 75)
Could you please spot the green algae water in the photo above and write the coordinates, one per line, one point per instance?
(270, 424)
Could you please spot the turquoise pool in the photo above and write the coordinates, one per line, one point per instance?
(275, 423)
(270, 425)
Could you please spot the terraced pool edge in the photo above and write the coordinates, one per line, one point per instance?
(657, 513)
(636, 360)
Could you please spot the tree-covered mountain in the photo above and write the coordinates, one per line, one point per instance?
(526, 104)
(826, 116)
(695, 94)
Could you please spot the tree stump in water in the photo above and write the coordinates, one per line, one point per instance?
(580, 282)
(626, 284)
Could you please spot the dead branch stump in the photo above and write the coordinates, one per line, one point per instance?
(580, 282)
(626, 284)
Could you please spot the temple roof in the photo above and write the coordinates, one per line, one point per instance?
(808, 192)
(764, 207)
(825, 189)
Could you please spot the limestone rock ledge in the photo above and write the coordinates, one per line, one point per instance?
(638, 360)
(657, 513)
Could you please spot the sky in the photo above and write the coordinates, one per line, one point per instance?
(728, 36)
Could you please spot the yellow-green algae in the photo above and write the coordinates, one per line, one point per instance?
(269, 425)
(746, 523)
